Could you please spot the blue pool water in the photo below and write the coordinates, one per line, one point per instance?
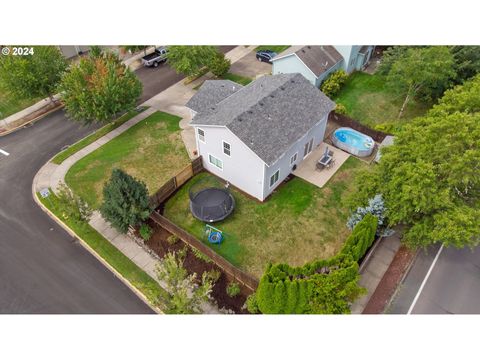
(353, 141)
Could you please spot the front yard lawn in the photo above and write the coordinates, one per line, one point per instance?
(151, 151)
(298, 223)
(368, 101)
(94, 137)
(242, 80)
(277, 48)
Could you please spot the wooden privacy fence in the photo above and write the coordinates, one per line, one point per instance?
(175, 182)
(346, 121)
(239, 275)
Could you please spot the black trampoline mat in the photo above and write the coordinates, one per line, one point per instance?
(211, 197)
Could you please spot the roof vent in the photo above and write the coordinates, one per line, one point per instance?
(282, 87)
(272, 96)
(250, 111)
(303, 50)
(261, 104)
(308, 46)
(239, 119)
(212, 108)
(292, 81)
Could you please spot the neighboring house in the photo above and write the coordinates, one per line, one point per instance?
(317, 62)
(70, 51)
(356, 57)
(256, 136)
(313, 62)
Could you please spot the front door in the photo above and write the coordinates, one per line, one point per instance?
(308, 148)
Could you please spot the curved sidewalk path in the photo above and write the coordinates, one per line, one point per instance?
(171, 100)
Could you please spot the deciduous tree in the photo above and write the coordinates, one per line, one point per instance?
(421, 72)
(99, 89)
(33, 75)
(190, 60)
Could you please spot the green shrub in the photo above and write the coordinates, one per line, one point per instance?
(126, 201)
(332, 85)
(219, 65)
(199, 255)
(233, 289)
(213, 275)
(145, 232)
(252, 305)
(361, 238)
(340, 109)
(172, 239)
(72, 206)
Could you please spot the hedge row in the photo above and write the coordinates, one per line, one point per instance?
(322, 286)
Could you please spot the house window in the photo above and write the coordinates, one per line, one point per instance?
(226, 148)
(201, 135)
(274, 178)
(293, 158)
(216, 162)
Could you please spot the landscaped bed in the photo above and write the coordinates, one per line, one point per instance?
(299, 222)
(368, 100)
(9, 104)
(151, 151)
(195, 263)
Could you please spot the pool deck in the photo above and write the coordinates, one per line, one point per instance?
(307, 168)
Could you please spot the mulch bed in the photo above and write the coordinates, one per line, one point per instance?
(390, 281)
(159, 244)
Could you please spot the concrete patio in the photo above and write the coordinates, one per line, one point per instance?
(307, 169)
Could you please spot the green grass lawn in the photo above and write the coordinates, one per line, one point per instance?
(10, 105)
(129, 270)
(368, 101)
(94, 137)
(242, 80)
(277, 48)
(298, 223)
(151, 151)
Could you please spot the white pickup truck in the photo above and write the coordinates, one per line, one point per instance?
(155, 58)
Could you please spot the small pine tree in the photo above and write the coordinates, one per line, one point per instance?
(125, 201)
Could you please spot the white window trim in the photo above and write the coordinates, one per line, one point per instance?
(296, 158)
(223, 148)
(198, 136)
(221, 169)
(270, 180)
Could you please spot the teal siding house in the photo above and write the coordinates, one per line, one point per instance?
(317, 62)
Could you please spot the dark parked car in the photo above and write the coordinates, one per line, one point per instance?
(266, 55)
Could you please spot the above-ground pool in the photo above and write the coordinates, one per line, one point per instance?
(353, 141)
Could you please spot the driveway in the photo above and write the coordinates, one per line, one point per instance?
(250, 67)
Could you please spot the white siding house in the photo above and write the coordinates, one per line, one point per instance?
(255, 137)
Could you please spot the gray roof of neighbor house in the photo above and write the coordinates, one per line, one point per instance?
(211, 93)
(317, 58)
(270, 114)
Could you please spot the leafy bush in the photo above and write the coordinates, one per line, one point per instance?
(185, 295)
(219, 65)
(252, 305)
(340, 109)
(199, 255)
(72, 206)
(213, 275)
(332, 85)
(125, 201)
(233, 289)
(361, 237)
(376, 207)
(172, 239)
(145, 232)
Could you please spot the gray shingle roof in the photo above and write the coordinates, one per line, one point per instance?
(317, 58)
(270, 114)
(211, 93)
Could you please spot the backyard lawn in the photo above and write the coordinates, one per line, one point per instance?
(368, 101)
(242, 80)
(298, 223)
(151, 151)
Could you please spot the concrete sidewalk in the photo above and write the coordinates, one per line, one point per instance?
(374, 267)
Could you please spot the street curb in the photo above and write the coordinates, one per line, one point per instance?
(93, 252)
(39, 117)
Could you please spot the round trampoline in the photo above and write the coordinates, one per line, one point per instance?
(211, 204)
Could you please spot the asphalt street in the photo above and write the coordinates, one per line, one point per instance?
(42, 269)
(453, 286)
